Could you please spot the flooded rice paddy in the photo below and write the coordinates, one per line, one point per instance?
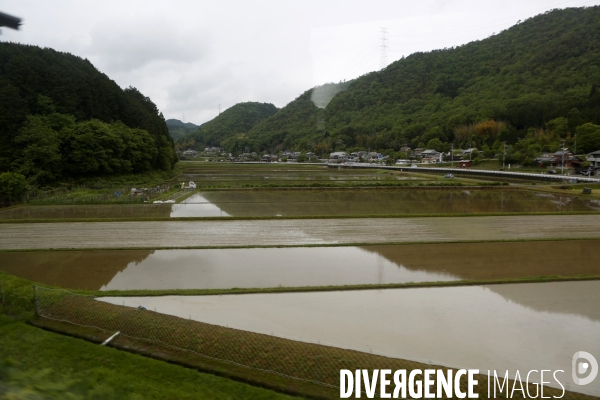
(288, 174)
(178, 234)
(309, 202)
(497, 327)
(296, 267)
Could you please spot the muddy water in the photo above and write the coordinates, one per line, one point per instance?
(380, 202)
(269, 203)
(470, 327)
(293, 267)
(152, 234)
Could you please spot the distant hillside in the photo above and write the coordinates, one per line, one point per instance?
(60, 117)
(178, 129)
(231, 123)
(539, 74)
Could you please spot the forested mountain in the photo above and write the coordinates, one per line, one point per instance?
(61, 117)
(537, 79)
(178, 129)
(232, 123)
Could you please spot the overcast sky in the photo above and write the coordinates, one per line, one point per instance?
(191, 56)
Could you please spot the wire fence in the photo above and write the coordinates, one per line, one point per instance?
(316, 363)
(83, 195)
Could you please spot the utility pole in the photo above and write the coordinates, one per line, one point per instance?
(562, 164)
(383, 44)
(503, 155)
(575, 150)
(452, 154)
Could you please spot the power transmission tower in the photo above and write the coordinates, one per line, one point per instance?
(383, 44)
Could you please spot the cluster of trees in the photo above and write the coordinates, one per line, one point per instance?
(178, 129)
(229, 128)
(61, 117)
(55, 145)
(489, 91)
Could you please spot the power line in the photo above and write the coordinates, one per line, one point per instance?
(352, 63)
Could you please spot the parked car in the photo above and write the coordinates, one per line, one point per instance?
(552, 171)
(448, 176)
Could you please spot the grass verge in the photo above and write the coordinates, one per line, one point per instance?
(333, 288)
(281, 246)
(39, 364)
(262, 218)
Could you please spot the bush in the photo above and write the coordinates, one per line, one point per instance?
(12, 185)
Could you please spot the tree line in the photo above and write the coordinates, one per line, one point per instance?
(60, 117)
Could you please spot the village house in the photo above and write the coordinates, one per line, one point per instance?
(465, 163)
(190, 153)
(417, 152)
(594, 159)
(431, 156)
(338, 157)
(269, 158)
(565, 159)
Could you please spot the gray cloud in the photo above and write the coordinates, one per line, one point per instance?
(190, 56)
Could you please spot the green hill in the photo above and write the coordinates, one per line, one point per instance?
(61, 117)
(536, 79)
(232, 123)
(178, 129)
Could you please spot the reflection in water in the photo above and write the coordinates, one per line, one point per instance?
(91, 269)
(376, 202)
(196, 206)
(293, 267)
(470, 327)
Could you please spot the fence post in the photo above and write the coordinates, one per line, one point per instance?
(35, 301)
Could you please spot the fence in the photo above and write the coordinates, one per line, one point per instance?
(316, 363)
(79, 195)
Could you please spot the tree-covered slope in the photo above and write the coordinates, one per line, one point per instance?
(234, 122)
(178, 129)
(526, 76)
(45, 94)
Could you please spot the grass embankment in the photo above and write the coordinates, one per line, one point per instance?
(100, 190)
(33, 358)
(286, 217)
(279, 246)
(333, 288)
(35, 363)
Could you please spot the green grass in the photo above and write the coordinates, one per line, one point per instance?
(38, 364)
(333, 288)
(358, 244)
(259, 218)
